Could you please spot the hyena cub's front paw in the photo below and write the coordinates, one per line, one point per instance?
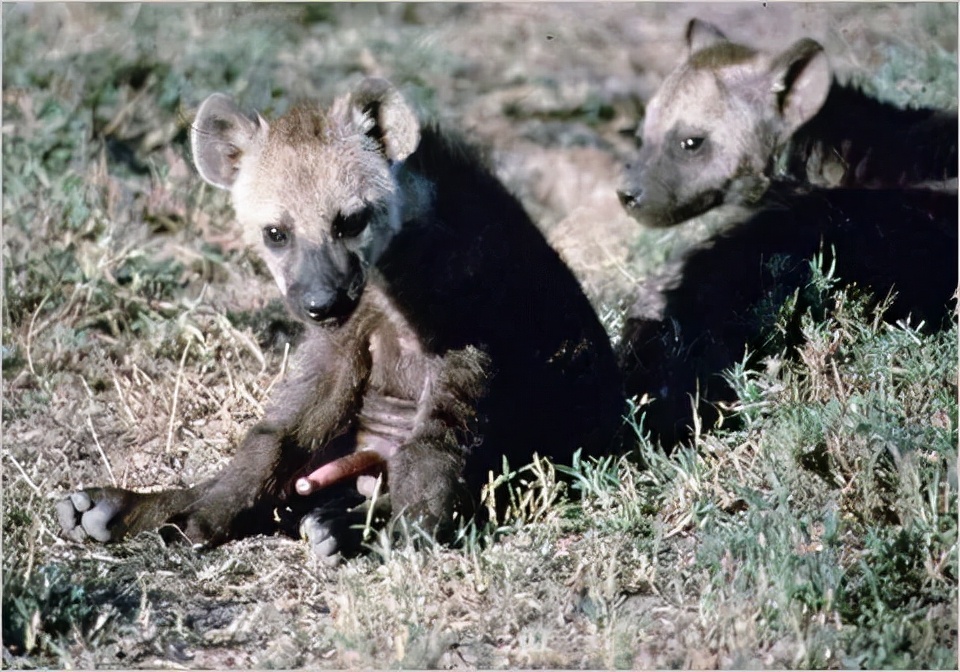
(95, 513)
(335, 530)
(427, 487)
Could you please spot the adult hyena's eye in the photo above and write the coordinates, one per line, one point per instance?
(275, 236)
(352, 225)
(691, 144)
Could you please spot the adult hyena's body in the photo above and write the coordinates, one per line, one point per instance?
(731, 119)
(443, 333)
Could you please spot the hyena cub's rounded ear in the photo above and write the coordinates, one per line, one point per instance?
(392, 123)
(800, 79)
(220, 136)
(702, 34)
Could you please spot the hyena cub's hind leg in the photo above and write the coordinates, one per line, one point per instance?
(242, 499)
(332, 525)
(103, 514)
(108, 514)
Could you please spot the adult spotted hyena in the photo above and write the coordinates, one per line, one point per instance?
(442, 332)
(731, 118)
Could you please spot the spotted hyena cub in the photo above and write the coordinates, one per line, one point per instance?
(443, 334)
(731, 118)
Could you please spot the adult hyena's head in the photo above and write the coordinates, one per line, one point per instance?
(711, 130)
(319, 193)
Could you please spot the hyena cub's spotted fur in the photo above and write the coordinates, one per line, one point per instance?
(443, 333)
(731, 118)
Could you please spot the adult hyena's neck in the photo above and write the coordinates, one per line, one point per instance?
(856, 140)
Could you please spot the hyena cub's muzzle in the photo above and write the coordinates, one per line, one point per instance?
(647, 203)
(640, 203)
(631, 192)
(655, 195)
(630, 198)
(327, 286)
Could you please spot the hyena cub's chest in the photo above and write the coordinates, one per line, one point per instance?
(398, 389)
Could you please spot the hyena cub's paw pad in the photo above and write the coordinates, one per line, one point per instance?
(334, 535)
(319, 533)
(89, 514)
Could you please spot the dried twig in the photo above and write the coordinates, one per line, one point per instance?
(103, 455)
(176, 395)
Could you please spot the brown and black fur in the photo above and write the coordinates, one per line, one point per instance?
(718, 302)
(446, 335)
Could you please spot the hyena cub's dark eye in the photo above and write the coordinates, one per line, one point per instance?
(691, 144)
(352, 225)
(275, 236)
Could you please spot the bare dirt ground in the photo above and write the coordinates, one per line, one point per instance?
(140, 340)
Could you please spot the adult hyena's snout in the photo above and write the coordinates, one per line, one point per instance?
(327, 286)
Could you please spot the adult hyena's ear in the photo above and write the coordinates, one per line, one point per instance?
(387, 118)
(220, 136)
(702, 34)
(800, 80)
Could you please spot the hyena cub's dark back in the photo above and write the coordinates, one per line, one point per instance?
(857, 140)
(488, 277)
(720, 300)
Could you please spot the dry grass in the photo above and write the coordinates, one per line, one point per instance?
(139, 342)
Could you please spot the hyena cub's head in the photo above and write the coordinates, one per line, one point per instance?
(711, 130)
(318, 192)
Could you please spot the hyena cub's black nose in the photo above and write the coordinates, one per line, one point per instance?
(629, 198)
(318, 305)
